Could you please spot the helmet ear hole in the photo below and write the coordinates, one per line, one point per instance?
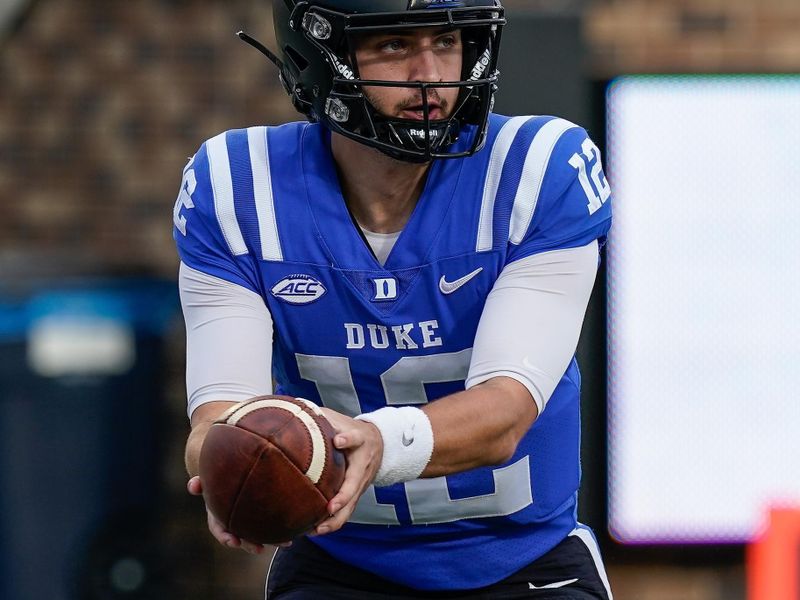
(297, 59)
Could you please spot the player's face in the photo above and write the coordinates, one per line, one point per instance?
(427, 55)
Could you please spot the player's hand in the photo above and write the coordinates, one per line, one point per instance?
(217, 529)
(362, 445)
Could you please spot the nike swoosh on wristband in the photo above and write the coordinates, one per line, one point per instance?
(408, 437)
(551, 586)
(448, 287)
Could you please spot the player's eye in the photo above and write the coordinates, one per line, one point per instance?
(391, 46)
(447, 41)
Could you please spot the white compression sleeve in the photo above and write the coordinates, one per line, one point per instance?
(228, 340)
(532, 320)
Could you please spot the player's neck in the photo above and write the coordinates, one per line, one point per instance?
(380, 192)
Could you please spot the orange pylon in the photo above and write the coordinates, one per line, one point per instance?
(773, 560)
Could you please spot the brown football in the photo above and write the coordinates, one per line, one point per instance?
(268, 469)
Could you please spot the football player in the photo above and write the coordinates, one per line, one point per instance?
(420, 267)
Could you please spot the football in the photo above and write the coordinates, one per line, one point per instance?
(269, 468)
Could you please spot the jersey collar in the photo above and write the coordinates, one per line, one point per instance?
(343, 240)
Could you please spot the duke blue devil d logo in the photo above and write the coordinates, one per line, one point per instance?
(298, 289)
(385, 289)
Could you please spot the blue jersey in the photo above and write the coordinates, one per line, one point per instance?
(262, 208)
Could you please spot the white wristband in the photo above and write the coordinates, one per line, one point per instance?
(407, 443)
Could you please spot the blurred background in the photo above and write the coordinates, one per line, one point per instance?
(688, 353)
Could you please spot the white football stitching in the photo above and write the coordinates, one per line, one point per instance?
(318, 455)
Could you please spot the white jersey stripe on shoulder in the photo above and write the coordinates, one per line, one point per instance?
(583, 533)
(530, 186)
(494, 171)
(222, 186)
(258, 143)
(189, 164)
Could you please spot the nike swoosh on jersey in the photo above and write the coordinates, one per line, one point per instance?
(448, 287)
(551, 586)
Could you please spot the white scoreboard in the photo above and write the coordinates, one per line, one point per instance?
(703, 305)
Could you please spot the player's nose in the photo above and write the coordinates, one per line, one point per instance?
(425, 65)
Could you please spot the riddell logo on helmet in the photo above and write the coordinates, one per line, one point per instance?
(480, 67)
(346, 71)
(420, 133)
(413, 4)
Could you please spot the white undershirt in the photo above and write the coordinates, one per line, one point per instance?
(528, 330)
(381, 243)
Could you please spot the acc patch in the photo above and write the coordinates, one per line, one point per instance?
(298, 289)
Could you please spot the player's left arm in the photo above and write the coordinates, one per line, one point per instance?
(525, 341)
(533, 316)
(526, 337)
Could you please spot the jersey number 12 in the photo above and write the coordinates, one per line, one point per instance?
(600, 191)
(429, 500)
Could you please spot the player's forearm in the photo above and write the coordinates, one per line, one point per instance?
(479, 427)
(193, 445)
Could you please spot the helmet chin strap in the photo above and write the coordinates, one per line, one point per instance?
(412, 134)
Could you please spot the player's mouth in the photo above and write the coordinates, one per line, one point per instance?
(417, 112)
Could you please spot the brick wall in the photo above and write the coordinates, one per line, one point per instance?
(651, 36)
(101, 104)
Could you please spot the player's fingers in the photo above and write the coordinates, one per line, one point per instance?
(224, 537)
(350, 485)
(337, 420)
(325, 527)
(347, 495)
(216, 528)
(343, 504)
(229, 540)
(348, 440)
(251, 548)
(360, 464)
(338, 519)
(355, 479)
(194, 487)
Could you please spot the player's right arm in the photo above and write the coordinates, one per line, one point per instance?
(228, 353)
(228, 326)
(202, 419)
